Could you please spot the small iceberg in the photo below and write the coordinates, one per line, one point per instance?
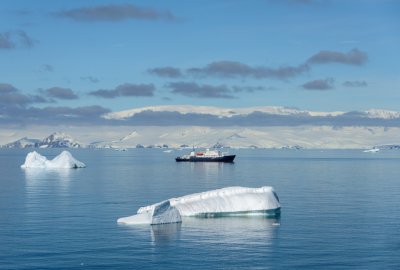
(229, 201)
(121, 149)
(63, 161)
(373, 150)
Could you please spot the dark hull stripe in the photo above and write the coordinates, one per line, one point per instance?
(229, 158)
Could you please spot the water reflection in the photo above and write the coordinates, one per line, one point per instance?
(233, 231)
(38, 179)
(164, 233)
(210, 168)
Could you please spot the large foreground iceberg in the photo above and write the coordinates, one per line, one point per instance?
(64, 161)
(230, 201)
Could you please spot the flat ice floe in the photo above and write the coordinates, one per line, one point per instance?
(63, 161)
(229, 201)
(373, 150)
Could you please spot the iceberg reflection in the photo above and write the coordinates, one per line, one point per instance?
(231, 231)
(38, 179)
(245, 230)
(164, 233)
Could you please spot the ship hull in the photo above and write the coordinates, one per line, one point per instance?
(228, 158)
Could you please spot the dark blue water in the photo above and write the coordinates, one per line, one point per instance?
(340, 210)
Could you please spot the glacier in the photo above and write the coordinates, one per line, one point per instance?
(229, 201)
(65, 160)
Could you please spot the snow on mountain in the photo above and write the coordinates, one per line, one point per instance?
(22, 143)
(387, 147)
(292, 137)
(55, 140)
(383, 114)
(216, 111)
(233, 137)
(130, 136)
(59, 140)
(256, 137)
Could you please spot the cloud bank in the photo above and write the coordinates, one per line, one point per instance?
(16, 108)
(168, 72)
(126, 90)
(353, 57)
(195, 116)
(115, 13)
(323, 84)
(235, 69)
(191, 89)
(195, 90)
(61, 93)
(11, 97)
(355, 84)
(15, 39)
(256, 118)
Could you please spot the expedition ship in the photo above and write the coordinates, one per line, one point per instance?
(207, 156)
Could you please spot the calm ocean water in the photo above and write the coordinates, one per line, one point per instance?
(340, 210)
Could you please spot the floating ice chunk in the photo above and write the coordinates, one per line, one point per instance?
(66, 160)
(373, 150)
(63, 160)
(230, 201)
(35, 160)
(159, 213)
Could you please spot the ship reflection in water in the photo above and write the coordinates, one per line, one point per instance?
(211, 170)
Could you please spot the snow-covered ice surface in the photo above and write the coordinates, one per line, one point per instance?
(63, 161)
(229, 201)
(158, 213)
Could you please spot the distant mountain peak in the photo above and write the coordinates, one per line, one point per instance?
(383, 114)
(59, 140)
(57, 136)
(24, 142)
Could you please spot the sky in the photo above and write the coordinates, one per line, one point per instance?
(81, 59)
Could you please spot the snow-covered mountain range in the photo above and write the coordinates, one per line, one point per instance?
(23, 143)
(204, 126)
(256, 137)
(55, 140)
(234, 137)
(59, 140)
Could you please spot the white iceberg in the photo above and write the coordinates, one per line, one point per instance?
(63, 161)
(230, 201)
(373, 150)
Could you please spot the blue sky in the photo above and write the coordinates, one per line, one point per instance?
(111, 55)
